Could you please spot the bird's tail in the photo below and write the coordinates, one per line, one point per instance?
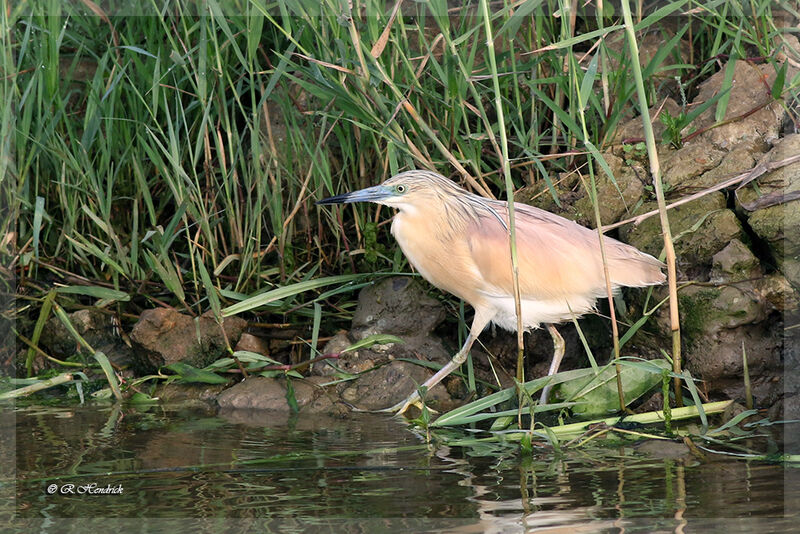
(630, 267)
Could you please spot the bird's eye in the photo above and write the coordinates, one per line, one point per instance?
(401, 189)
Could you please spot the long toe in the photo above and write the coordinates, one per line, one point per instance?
(545, 394)
(398, 409)
(402, 407)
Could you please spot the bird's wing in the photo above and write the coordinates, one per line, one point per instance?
(558, 258)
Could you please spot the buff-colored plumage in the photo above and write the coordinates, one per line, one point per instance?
(459, 242)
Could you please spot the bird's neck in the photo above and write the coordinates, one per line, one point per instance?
(442, 217)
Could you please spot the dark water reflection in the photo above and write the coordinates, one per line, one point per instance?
(189, 469)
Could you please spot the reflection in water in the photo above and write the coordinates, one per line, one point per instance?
(359, 473)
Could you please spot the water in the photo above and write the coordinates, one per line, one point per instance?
(189, 469)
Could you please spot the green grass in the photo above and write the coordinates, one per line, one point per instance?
(174, 156)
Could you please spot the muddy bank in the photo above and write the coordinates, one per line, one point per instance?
(738, 260)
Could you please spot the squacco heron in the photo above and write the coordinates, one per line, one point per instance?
(459, 242)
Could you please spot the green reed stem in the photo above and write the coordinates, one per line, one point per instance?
(655, 171)
(498, 102)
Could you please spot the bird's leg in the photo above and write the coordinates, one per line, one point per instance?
(452, 365)
(478, 324)
(558, 354)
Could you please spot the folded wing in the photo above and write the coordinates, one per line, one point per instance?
(558, 258)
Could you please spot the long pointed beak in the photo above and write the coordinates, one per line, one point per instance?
(370, 194)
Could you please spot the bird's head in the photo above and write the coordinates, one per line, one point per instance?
(405, 191)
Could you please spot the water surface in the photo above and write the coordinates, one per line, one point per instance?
(178, 468)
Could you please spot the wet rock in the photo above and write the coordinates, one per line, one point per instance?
(632, 129)
(649, 43)
(90, 324)
(617, 199)
(717, 325)
(257, 392)
(566, 188)
(684, 166)
(352, 362)
(653, 403)
(96, 327)
(790, 267)
(705, 311)
(321, 424)
(400, 307)
(391, 383)
(734, 263)
(163, 336)
(750, 89)
(200, 394)
(740, 159)
(717, 360)
(788, 409)
(778, 292)
(788, 51)
(701, 228)
(252, 343)
(397, 306)
(778, 225)
(9, 362)
(271, 394)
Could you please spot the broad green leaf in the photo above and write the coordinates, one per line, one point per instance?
(111, 377)
(727, 83)
(689, 381)
(210, 288)
(315, 327)
(457, 416)
(141, 398)
(777, 86)
(291, 400)
(632, 330)
(243, 356)
(376, 339)
(193, 374)
(588, 81)
(105, 293)
(505, 418)
(138, 50)
(91, 248)
(44, 314)
(520, 15)
(733, 422)
(167, 273)
(598, 395)
(501, 422)
(588, 36)
(37, 224)
(659, 14)
(287, 291)
(662, 52)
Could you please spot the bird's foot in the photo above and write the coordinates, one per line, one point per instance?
(398, 409)
(401, 407)
(545, 393)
